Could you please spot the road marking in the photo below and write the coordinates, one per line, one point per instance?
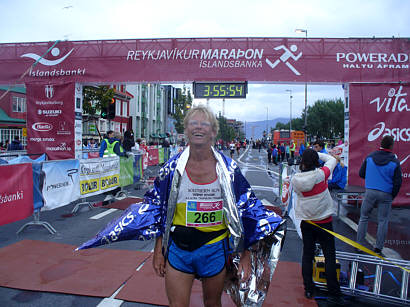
(267, 203)
(102, 214)
(263, 188)
(388, 252)
(110, 302)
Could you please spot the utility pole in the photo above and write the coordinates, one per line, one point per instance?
(305, 124)
(290, 121)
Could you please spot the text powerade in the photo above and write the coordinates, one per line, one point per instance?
(220, 89)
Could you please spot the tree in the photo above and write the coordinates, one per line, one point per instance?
(325, 119)
(226, 132)
(96, 98)
(297, 124)
(182, 103)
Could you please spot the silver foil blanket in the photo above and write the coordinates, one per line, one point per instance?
(264, 258)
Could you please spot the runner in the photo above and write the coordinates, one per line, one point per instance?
(201, 212)
(232, 149)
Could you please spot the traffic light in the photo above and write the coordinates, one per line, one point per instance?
(111, 109)
(104, 113)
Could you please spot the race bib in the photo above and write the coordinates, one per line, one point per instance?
(204, 213)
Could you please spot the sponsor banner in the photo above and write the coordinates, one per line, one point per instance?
(92, 155)
(144, 160)
(261, 59)
(99, 175)
(152, 155)
(61, 180)
(37, 177)
(126, 171)
(78, 124)
(161, 155)
(377, 110)
(137, 168)
(50, 120)
(16, 192)
(166, 154)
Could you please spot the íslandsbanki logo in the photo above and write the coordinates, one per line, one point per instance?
(55, 52)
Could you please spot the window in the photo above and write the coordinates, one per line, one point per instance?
(19, 104)
(124, 109)
(118, 107)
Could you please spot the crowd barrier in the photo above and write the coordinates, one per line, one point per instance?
(33, 185)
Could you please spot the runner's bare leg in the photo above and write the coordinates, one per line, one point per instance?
(212, 288)
(178, 286)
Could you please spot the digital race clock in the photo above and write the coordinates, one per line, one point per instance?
(220, 89)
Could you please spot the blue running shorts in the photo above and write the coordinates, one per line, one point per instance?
(206, 261)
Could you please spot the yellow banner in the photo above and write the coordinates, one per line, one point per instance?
(110, 181)
(89, 186)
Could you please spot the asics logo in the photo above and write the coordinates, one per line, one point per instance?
(55, 52)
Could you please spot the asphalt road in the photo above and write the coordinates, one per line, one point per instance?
(77, 228)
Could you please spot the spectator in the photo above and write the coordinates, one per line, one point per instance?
(301, 149)
(292, 149)
(282, 152)
(275, 155)
(15, 144)
(314, 204)
(111, 145)
(128, 140)
(269, 150)
(287, 151)
(92, 144)
(339, 176)
(382, 173)
(319, 146)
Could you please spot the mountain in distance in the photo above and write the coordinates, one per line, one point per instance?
(255, 129)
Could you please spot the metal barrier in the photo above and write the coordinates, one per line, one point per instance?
(351, 192)
(37, 222)
(357, 262)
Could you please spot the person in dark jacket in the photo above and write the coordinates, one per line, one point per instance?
(382, 173)
(15, 144)
(128, 142)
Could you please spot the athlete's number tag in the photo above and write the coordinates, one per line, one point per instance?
(203, 213)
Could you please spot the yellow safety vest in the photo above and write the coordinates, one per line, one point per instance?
(109, 151)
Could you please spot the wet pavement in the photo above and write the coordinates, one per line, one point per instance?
(79, 227)
(398, 235)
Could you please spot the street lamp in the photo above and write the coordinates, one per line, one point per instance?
(290, 122)
(267, 124)
(305, 125)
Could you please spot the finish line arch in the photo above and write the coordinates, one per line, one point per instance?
(317, 60)
(376, 103)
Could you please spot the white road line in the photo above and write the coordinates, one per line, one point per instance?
(267, 203)
(258, 187)
(110, 302)
(102, 214)
(388, 252)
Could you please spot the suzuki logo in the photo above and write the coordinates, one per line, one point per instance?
(42, 126)
(285, 57)
(49, 90)
(55, 52)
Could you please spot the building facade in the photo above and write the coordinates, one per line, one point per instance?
(151, 110)
(13, 112)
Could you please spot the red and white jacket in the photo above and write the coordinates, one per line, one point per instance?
(314, 201)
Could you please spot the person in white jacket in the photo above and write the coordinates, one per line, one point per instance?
(315, 204)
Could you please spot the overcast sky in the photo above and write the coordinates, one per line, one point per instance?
(48, 20)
